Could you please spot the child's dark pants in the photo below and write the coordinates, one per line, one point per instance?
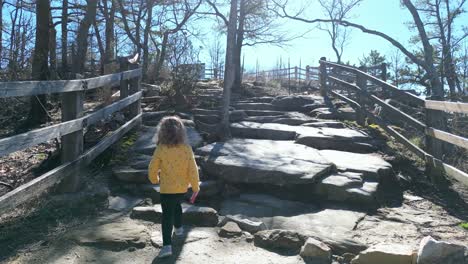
(172, 215)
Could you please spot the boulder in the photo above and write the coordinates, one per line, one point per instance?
(292, 102)
(316, 251)
(192, 214)
(245, 224)
(230, 229)
(387, 254)
(263, 161)
(432, 251)
(311, 107)
(281, 240)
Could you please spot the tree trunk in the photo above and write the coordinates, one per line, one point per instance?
(1, 33)
(110, 38)
(64, 40)
(40, 69)
(230, 70)
(149, 19)
(162, 55)
(82, 37)
(238, 49)
(52, 50)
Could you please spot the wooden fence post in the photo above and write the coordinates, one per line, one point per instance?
(307, 73)
(295, 73)
(72, 144)
(361, 82)
(135, 108)
(123, 83)
(435, 147)
(383, 71)
(323, 77)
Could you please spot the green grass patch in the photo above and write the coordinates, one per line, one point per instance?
(464, 225)
(417, 141)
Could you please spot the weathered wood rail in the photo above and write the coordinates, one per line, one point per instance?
(70, 130)
(431, 154)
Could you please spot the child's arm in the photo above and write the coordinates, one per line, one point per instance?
(193, 171)
(154, 167)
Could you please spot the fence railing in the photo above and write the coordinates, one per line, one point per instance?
(295, 74)
(70, 130)
(432, 128)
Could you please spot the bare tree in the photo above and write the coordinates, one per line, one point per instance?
(217, 63)
(396, 65)
(338, 10)
(64, 38)
(40, 67)
(1, 33)
(82, 37)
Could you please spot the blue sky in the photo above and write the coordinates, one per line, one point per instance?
(385, 15)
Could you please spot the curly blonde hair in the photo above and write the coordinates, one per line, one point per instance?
(171, 132)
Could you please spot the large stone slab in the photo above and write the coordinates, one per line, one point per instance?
(331, 226)
(114, 236)
(254, 106)
(386, 254)
(264, 161)
(146, 143)
(263, 113)
(293, 102)
(263, 131)
(372, 166)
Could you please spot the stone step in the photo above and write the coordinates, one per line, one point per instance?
(340, 114)
(130, 175)
(263, 161)
(320, 138)
(254, 106)
(294, 102)
(192, 214)
(262, 99)
(263, 113)
(325, 123)
(146, 142)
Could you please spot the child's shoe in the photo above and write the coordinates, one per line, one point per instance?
(166, 251)
(179, 231)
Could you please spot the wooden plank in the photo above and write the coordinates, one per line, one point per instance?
(447, 106)
(447, 137)
(32, 138)
(32, 189)
(37, 136)
(105, 80)
(397, 92)
(29, 88)
(110, 109)
(346, 99)
(455, 173)
(396, 135)
(127, 75)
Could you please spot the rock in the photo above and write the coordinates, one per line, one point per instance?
(331, 124)
(292, 102)
(346, 113)
(371, 166)
(237, 116)
(343, 139)
(262, 99)
(387, 254)
(432, 251)
(348, 257)
(311, 107)
(128, 174)
(113, 236)
(140, 162)
(208, 119)
(258, 161)
(191, 214)
(263, 113)
(207, 189)
(254, 106)
(200, 111)
(146, 190)
(146, 143)
(262, 131)
(248, 237)
(331, 226)
(229, 230)
(316, 251)
(323, 113)
(282, 240)
(245, 224)
(123, 203)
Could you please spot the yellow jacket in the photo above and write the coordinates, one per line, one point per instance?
(177, 169)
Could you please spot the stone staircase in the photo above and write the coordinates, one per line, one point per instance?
(281, 146)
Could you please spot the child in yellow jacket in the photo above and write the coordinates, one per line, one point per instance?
(173, 166)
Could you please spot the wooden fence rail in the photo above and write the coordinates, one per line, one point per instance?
(328, 80)
(70, 130)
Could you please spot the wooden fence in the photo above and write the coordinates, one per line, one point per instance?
(294, 74)
(432, 127)
(70, 130)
